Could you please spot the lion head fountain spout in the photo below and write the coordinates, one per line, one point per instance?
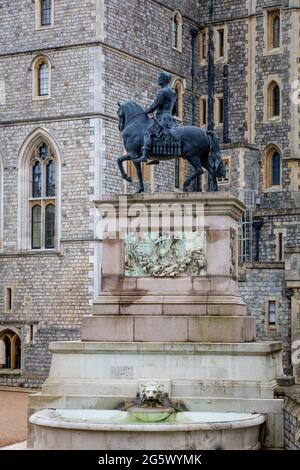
(152, 395)
(152, 404)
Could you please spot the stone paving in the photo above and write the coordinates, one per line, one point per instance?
(13, 417)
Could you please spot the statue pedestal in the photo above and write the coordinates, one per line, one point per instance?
(170, 312)
(153, 290)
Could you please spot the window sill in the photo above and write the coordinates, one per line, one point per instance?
(44, 28)
(272, 330)
(276, 119)
(276, 51)
(33, 253)
(273, 189)
(44, 252)
(10, 372)
(41, 98)
(177, 50)
(220, 60)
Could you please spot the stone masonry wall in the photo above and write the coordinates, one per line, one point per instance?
(97, 58)
(261, 282)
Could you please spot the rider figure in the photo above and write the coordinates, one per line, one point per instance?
(165, 106)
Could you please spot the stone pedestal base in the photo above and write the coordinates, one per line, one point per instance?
(169, 328)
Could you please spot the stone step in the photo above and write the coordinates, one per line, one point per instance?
(124, 304)
(142, 328)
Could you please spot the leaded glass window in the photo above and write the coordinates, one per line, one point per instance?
(276, 32)
(175, 31)
(50, 179)
(272, 313)
(203, 45)
(46, 12)
(43, 79)
(36, 180)
(43, 198)
(50, 226)
(43, 151)
(276, 101)
(36, 224)
(221, 42)
(276, 169)
(226, 168)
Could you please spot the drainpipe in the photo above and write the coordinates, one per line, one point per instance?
(257, 225)
(226, 139)
(194, 34)
(211, 70)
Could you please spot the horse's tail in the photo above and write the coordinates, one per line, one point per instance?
(215, 161)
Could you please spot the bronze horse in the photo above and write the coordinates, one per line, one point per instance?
(200, 148)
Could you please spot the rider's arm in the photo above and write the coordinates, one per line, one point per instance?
(158, 102)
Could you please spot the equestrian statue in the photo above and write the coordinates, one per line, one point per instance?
(151, 140)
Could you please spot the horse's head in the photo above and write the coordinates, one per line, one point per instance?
(128, 111)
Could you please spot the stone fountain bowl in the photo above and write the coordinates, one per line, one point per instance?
(118, 430)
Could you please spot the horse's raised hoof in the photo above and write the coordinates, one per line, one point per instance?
(140, 190)
(127, 178)
(153, 162)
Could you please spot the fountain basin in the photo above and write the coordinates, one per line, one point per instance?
(118, 430)
(150, 415)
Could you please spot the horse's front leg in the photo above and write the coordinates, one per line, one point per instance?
(212, 182)
(121, 160)
(197, 174)
(139, 173)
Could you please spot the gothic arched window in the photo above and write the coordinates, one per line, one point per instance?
(177, 24)
(276, 169)
(272, 168)
(41, 81)
(274, 100)
(10, 350)
(179, 89)
(39, 186)
(273, 29)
